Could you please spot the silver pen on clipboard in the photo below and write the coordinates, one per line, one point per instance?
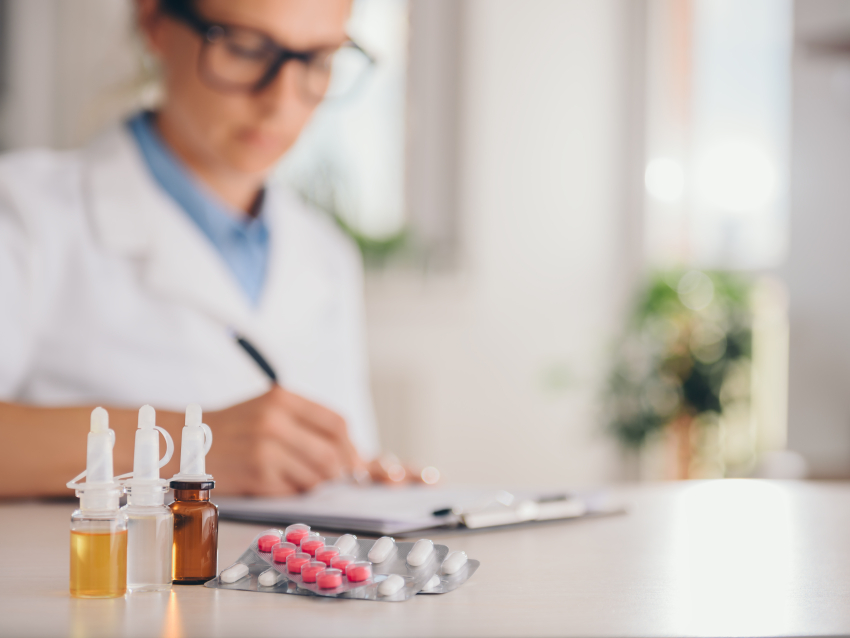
(504, 509)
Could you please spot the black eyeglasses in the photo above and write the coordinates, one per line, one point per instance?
(240, 59)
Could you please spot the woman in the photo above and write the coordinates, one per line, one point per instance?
(127, 267)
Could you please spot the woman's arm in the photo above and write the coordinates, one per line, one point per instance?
(276, 444)
(41, 449)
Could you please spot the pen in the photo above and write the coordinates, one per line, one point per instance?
(259, 359)
(502, 497)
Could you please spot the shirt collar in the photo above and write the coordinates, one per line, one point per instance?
(214, 217)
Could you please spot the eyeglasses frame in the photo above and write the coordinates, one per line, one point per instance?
(212, 31)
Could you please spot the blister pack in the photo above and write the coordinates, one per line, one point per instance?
(298, 561)
(454, 572)
(373, 570)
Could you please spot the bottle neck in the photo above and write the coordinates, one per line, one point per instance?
(99, 500)
(191, 495)
(145, 497)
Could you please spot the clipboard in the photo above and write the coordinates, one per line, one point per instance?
(403, 510)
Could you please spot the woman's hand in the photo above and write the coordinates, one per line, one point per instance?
(278, 444)
(388, 469)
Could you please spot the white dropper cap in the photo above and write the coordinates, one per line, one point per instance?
(100, 491)
(99, 448)
(197, 440)
(146, 488)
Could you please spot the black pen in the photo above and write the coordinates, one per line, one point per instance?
(259, 359)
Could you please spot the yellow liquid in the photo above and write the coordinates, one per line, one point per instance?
(98, 564)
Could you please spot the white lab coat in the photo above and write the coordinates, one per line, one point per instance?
(109, 294)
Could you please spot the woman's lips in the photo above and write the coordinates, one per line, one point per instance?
(261, 140)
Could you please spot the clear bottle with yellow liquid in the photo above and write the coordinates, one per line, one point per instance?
(98, 528)
(98, 555)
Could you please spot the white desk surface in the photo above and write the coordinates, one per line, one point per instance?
(719, 558)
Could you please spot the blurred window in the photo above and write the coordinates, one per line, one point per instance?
(350, 159)
(718, 132)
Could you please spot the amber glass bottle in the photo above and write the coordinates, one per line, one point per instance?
(194, 556)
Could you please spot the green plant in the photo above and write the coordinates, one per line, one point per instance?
(687, 334)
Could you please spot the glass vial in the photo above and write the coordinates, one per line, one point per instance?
(195, 549)
(98, 554)
(150, 529)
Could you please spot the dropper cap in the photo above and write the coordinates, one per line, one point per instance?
(100, 491)
(146, 488)
(99, 448)
(196, 442)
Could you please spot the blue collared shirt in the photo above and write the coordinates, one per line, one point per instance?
(242, 241)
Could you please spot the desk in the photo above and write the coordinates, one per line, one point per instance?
(717, 558)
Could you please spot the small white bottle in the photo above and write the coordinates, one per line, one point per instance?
(150, 524)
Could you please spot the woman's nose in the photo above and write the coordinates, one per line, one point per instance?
(284, 89)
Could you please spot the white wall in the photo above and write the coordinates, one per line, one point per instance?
(819, 392)
(73, 68)
(460, 363)
(29, 92)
